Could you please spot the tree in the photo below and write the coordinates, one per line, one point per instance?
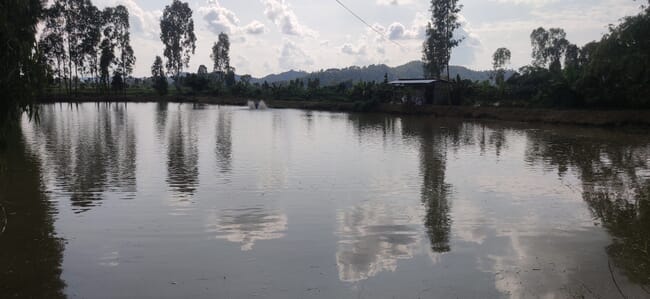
(177, 34)
(616, 73)
(22, 76)
(117, 37)
(221, 54)
(572, 63)
(230, 76)
(118, 82)
(246, 79)
(500, 58)
(158, 76)
(53, 40)
(202, 71)
(440, 36)
(549, 47)
(106, 60)
(91, 22)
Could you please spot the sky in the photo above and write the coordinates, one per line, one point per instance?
(273, 36)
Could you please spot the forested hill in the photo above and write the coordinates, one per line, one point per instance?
(373, 72)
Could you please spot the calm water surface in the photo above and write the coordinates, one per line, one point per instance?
(181, 200)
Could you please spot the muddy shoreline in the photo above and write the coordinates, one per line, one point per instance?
(551, 116)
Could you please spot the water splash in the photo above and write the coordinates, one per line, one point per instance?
(253, 105)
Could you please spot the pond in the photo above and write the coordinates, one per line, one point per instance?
(173, 200)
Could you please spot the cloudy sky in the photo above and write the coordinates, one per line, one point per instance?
(271, 36)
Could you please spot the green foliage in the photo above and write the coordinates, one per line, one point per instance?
(548, 47)
(117, 83)
(78, 40)
(177, 34)
(500, 58)
(610, 73)
(221, 54)
(196, 83)
(440, 36)
(230, 77)
(158, 76)
(23, 76)
(617, 72)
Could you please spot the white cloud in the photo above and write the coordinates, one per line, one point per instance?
(255, 27)
(281, 13)
(466, 52)
(294, 57)
(352, 50)
(319, 31)
(220, 19)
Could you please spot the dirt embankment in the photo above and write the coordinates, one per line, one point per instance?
(576, 117)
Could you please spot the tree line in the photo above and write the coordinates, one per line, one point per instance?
(80, 46)
(609, 73)
(79, 40)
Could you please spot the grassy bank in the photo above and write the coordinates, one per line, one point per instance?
(554, 116)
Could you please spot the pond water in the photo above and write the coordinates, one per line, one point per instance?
(200, 201)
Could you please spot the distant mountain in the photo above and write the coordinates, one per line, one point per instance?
(286, 76)
(373, 72)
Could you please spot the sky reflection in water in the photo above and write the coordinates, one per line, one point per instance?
(168, 200)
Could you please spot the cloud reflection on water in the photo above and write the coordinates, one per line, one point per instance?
(373, 238)
(247, 225)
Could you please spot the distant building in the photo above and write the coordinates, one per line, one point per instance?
(422, 91)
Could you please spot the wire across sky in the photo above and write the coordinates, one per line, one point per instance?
(382, 34)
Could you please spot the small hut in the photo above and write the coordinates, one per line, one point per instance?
(422, 91)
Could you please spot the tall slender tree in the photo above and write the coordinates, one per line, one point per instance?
(548, 47)
(440, 36)
(91, 23)
(177, 34)
(500, 59)
(221, 53)
(53, 41)
(158, 76)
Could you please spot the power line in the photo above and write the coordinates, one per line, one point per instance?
(370, 26)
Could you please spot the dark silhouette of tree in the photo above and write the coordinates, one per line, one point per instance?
(158, 76)
(616, 72)
(79, 40)
(117, 37)
(440, 37)
(22, 75)
(177, 34)
(202, 71)
(53, 41)
(91, 30)
(548, 47)
(500, 59)
(106, 60)
(221, 54)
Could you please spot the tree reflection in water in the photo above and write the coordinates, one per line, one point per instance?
(434, 141)
(30, 251)
(615, 172)
(183, 155)
(224, 141)
(86, 150)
